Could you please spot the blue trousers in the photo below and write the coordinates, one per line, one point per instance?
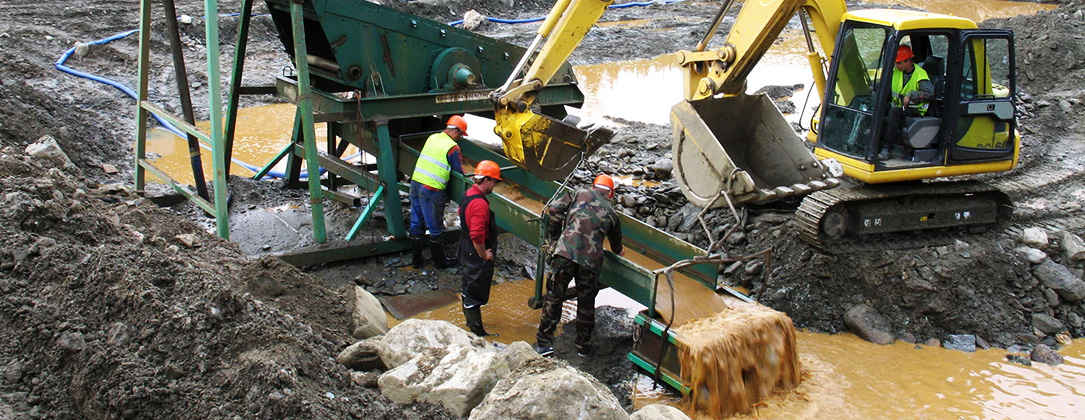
(427, 210)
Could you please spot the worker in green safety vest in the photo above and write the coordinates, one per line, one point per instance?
(911, 93)
(440, 157)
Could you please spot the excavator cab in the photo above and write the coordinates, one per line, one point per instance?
(967, 127)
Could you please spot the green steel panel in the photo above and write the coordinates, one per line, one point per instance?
(355, 40)
(418, 105)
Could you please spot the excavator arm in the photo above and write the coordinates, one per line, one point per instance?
(757, 26)
(730, 147)
(547, 147)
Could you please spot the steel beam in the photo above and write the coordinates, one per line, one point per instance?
(305, 109)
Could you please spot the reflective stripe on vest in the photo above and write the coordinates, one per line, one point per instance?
(900, 88)
(432, 167)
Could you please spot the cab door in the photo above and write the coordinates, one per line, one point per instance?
(981, 81)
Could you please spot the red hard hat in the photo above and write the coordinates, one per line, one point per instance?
(904, 52)
(488, 168)
(458, 122)
(604, 181)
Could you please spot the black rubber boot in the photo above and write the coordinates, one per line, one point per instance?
(438, 250)
(474, 321)
(416, 252)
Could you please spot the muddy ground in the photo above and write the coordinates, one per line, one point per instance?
(106, 314)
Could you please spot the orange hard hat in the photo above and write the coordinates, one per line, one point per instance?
(458, 122)
(604, 181)
(904, 52)
(488, 168)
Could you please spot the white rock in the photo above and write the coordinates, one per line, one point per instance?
(362, 356)
(185, 20)
(544, 389)
(472, 20)
(1035, 237)
(1031, 254)
(366, 315)
(658, 412)
(464, 377)
(408, 339)
(47, 148)
(457, 379)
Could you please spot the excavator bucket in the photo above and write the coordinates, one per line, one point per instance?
(742, 146)
(548, 148)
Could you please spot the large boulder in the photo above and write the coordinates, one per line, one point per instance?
(545, 389)
(1044, 354)
(407, 340)
(658, 412)
(363, 355)
(962, 342)
(1059, 278)
(868, 324)
(367, 316)
(457, 379)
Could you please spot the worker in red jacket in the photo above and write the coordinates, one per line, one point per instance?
(478, 243)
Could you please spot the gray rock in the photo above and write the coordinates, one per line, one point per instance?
(408, 339)
(658, 412)
(72, 341)
(1046, 324)
(545, 389)
(754, 267)
(981, 343)
(868, 324)
(1035, 237)
(1075, 320)
(1059, 278)
(1051, 297)
(932, 342)
(1073, 248)
(1065, 106)
(962, 342)
(1019, 359)
(907, 338)
(366, 314)
(13, 372)
(363, 355)
(47, 148)
(1031, 254)
(1043, 354)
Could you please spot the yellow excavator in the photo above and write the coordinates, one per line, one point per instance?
(730, 147)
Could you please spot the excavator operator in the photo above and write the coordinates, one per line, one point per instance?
(912, 91)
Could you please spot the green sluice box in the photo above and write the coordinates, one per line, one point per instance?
(656, 354)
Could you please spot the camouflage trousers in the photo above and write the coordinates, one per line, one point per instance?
(587, 287)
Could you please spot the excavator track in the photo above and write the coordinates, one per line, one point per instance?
(830, 218)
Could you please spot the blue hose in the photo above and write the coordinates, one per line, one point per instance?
(165, 124)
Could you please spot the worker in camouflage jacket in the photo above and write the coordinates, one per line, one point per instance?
(578, 222)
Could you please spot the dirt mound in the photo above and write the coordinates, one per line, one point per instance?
(113, 308)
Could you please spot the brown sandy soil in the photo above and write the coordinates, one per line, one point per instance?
(105, 315)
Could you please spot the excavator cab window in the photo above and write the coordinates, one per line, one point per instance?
(849, 114)
(985, 114)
